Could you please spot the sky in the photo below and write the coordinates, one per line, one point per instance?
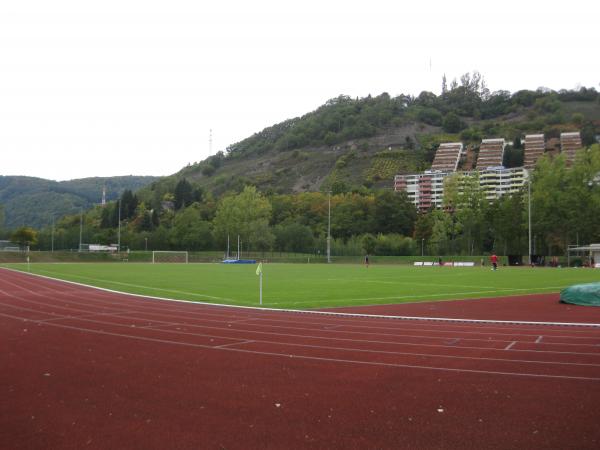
(132, 87)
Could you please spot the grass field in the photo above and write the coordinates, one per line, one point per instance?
(305, 286)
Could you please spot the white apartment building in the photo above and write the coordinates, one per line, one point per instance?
(426, 190)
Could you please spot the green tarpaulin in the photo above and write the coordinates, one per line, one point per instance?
(582, 294)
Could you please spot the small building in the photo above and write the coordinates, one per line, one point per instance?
(491, 153)
(569, 144)
(535, 146)
(591, 254)
(447, 157)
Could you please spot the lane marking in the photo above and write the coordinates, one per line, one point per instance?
(539, 339)
(317, 358)
(233, 343)
(509, 346)
(168, 328)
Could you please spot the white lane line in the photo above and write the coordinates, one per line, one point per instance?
(316, 358)
(86, 316)
(118, 313)
(158, 325)
(233, 343)
(403, 334)
(166, 328)
(509, 346)
(539, 339)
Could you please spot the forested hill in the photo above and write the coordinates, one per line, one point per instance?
(352, 143)
(34, 201)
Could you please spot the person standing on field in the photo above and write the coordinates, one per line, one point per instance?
(494, 261)
(367, 261)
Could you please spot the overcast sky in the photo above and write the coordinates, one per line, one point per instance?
(133, 87)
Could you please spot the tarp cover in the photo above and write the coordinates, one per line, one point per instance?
(582, 294)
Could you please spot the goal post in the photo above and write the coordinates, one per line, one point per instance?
(164, 256)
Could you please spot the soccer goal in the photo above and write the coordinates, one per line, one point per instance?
(163, 256)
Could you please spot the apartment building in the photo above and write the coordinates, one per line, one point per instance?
(569, 144)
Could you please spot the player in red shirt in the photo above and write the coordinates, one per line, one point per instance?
(494, 261)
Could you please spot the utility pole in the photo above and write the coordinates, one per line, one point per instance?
(119, 229)
(329, 227)
(529, 216)
(80, 228)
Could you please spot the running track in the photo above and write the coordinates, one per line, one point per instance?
(85, 368)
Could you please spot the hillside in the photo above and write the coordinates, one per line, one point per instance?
(34, 201)
(349, 144)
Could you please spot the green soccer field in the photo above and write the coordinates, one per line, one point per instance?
(304, 286)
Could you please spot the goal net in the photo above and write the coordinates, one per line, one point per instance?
(159, 256)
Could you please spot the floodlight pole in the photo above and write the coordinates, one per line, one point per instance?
(119, 229)
(529, 216)
(80, 228)
(422, 251)
(329, 227)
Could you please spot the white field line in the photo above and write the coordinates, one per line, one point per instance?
(314, 358)
(407, 297)
(322, 313)
(99, 298)
(509, 346)
(413, 283)
(120, 283)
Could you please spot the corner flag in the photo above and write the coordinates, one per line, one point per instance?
(259, 273)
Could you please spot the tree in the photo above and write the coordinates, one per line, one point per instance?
(183, 194)
(129, 203)
(190, 232)
(247, 215)
(452, 123)
(588, 134)
(294, 237)
(24, 236)
(465, 202)
(549, 202)
(368, 243)
(394, 213)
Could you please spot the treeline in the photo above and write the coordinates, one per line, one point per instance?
(565, 204)
(460, 103)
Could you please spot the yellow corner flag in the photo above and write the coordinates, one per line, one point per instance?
(259, 269)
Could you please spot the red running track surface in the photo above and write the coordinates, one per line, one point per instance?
(85, 368)
(537, 307)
